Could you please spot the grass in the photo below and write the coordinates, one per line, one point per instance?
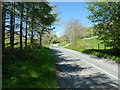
(82, 45)
(109, 53)
(90, 46)
(17, 44)
(29, 69)
(62, 44)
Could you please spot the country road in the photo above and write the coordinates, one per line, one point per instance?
(78, 70)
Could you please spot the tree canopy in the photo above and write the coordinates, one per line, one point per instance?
(106, 18)
(26, 19)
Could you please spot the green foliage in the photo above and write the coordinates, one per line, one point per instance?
(29, 69)
(55, 41)
(37, 17)
(106, 17)
(90, 46)
(109, 53)
(64, 38)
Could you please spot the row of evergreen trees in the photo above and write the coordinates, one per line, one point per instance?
(27, 19)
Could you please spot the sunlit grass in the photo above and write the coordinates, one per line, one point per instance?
(16, 44)
(62, 44)
(90, 46)
(29, 69)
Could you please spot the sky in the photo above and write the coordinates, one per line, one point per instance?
(68, 11)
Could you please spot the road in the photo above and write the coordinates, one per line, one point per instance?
(78, 70)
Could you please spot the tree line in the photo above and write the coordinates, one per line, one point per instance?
(106, 19)
(27, 19)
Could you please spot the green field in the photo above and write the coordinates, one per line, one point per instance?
(90, 46)
(82, 45)
(29, 69)
(62, 44)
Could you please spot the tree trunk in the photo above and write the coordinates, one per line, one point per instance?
(32, 25)
(105, 46)
(26, 29)
(12, 21)
(40, 39)
(3, 27)
(32, 34)
(21, 16)
(98, 46)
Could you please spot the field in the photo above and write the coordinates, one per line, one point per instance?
(90, 46)
(62, 44)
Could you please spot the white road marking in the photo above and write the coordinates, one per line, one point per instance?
(101, 69)
(97, 67)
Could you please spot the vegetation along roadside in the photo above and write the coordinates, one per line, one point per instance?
(29, 69)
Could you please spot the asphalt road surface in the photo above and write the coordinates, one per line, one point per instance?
(78, 70)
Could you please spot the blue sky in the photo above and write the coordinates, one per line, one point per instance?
(71, 10)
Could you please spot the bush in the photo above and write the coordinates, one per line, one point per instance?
(55, 41)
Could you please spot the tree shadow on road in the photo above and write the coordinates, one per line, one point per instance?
(69, 75)
(90, 81)
(68, 68)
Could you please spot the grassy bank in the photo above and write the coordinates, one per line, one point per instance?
(62, 44)
(90, 46)
(82, 45)
(109, 53)
(29, 69)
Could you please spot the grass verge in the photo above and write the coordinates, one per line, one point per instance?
(29, 69)
(90, 46)
(108, 54)
(62, 44)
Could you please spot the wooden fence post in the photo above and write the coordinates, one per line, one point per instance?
(104, 46)
(98, 46)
